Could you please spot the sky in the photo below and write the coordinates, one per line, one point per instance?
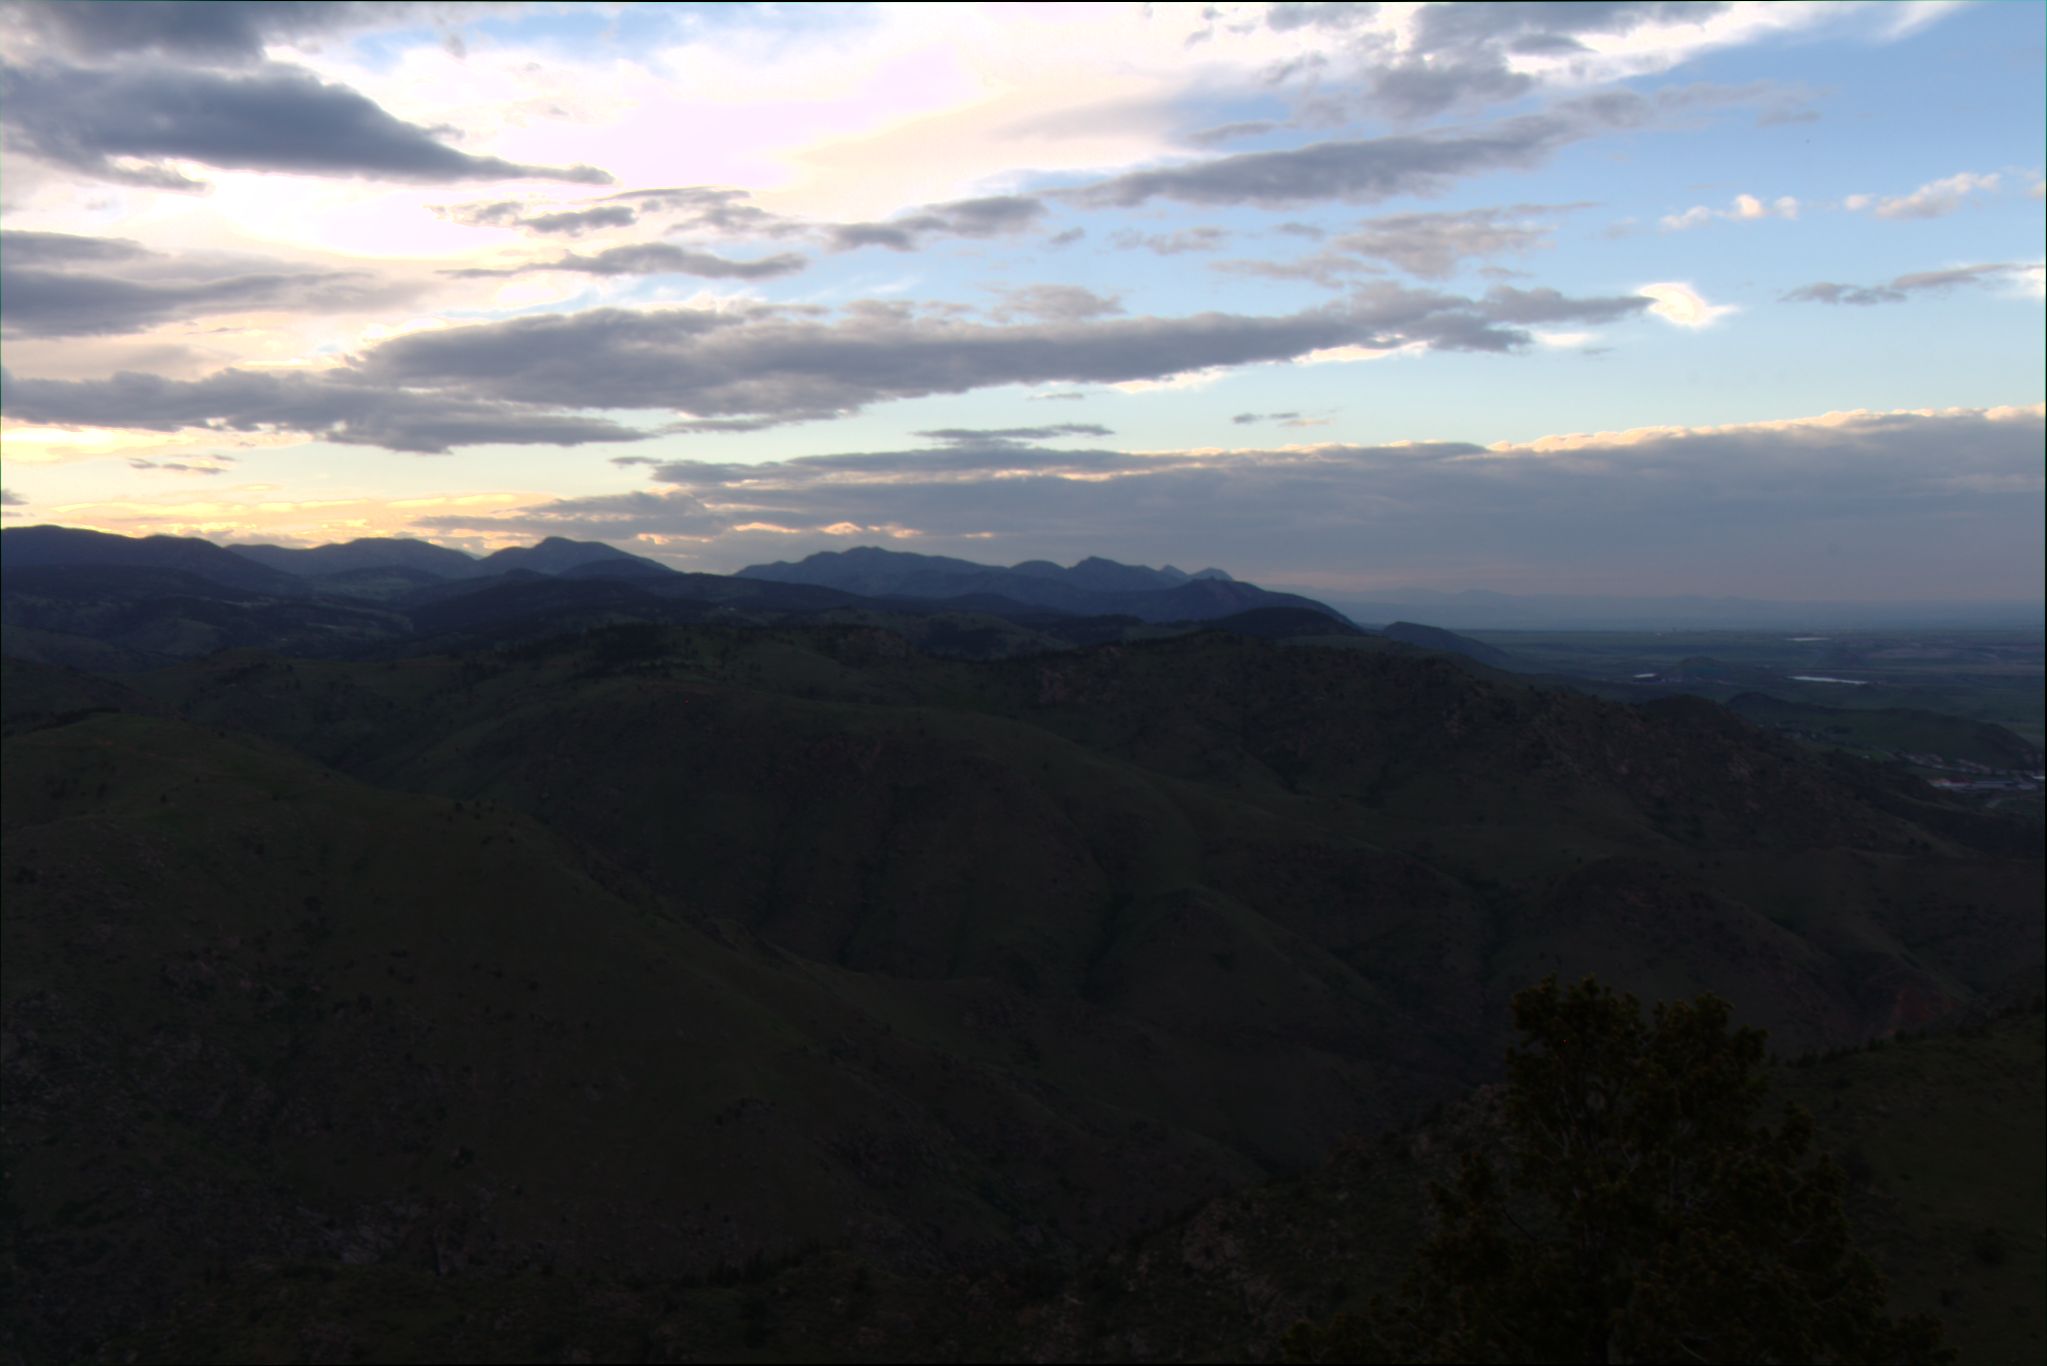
(1615, 298)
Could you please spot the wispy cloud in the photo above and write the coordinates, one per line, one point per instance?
(1935, 199)
(1745, 208)
(1904, 286)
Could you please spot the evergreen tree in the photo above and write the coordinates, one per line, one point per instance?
(1643, 1210)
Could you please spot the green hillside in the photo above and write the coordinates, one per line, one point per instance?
(557, 985)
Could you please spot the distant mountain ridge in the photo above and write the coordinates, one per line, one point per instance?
(389, 568)
(1093, 587)
(89, 599)
(50, 547)
(368, 552)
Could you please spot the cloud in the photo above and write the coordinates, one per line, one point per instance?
(995, 216)
(1682, 306)
(770, 363)
(1287, 419)
(107, 286)
(1935, 199)
(1506, 304)
(652, 258)
(176, 466)
(1744, 208)
(691, 207)
(701, 208)
(1058, 303)
(1445, 57)
(1369, 170)
(1172, 243)
(1230, 132)
(325, 406)
(1904, 286)
(747, 367)
(967, 436)
(774, 363)
(1430, 245)
(195, 30)
(1740, 508)
(35, 249)
(9, 498)
(132, 123)
(1284, 18)
(575, 222)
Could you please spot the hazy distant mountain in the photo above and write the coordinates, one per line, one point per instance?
(1479, 610)
(41, 547)
(1094, 586)
(558, 555)
(555, 555)
(368, 552)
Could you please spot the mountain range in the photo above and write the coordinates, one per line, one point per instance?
(648, 945)
(1093, 586)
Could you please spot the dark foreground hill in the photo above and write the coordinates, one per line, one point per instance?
(1947, 1220)
(620, 963)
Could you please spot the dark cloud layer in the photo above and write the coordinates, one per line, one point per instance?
(1430, 245)
(692, 207)
(1902, 288)
(967, 436)
(654, 258)
(1057, 303)
(63, 285)
(332, 408)
(744, 369)
(1372, 169)
(35, 249)
(202, 30)
(766, 362)
(1177, 243)
(1458, 56)
(129, 123)
(995, 216)
(1433, 245)
(774, 363)
(575, 222)
(43, 303)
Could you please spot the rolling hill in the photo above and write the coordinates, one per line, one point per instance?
(726, 941)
